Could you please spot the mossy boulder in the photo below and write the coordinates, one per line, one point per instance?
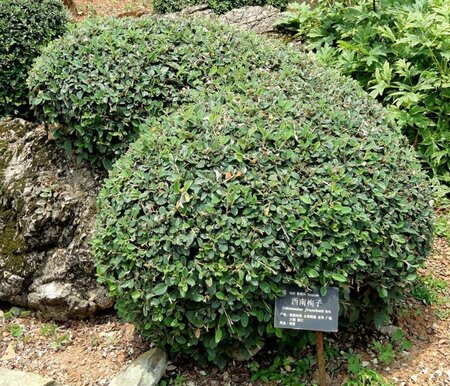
(46, 208)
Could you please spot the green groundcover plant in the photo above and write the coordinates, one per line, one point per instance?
(286, 174)
(26, 26)
(219, 6)
(399, 52)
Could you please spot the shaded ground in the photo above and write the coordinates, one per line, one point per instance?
(91, 352)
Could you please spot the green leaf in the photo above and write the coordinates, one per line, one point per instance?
(265, 287)
(312, 273)
(306, 199)
(218, 336)
(244, 320)
(338, 277)
(160, 289)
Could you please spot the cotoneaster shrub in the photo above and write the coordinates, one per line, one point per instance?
(104, 78)
(219, 6)
(287, 176)
(25, 27)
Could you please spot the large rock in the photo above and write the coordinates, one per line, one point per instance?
(146, 370)
(14, 378)
(258, 19)
(47, 205)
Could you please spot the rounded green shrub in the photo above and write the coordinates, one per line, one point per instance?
(104, 78)
(287, 176)
(25, 27)
(219, 6)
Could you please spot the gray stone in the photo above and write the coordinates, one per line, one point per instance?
(146, 370)
(390, 330)
(242, 354)
(15, 378)
(47, 206)
(261, 20)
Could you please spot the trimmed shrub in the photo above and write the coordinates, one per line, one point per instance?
(102, 80)
(25, 27)
(288, 176)
(219, 6)
(399, 53)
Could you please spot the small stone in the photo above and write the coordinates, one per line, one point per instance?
(14, 378)
(146, 370)
(327, 376)
(389, 330)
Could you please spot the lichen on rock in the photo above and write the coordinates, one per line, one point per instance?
(47, 203)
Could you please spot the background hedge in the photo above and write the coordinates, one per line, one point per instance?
(219, 6)
(25, 27)
(286, 174)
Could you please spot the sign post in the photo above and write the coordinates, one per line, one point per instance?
(302, 309)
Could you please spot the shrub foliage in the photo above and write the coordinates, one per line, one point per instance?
(285, 174)
(399, 53)
(219, 6)
(25, 27)
(102, 80)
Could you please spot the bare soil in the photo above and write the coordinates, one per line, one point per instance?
(120, 8)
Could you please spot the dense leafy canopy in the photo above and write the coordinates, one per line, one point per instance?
(399, 52)
(102, 80)
(219, 6)
(278, 172)
(25, 27)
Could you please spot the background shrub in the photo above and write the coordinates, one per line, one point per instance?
(219, 6)
(399, 53)
(281, 176)
(25, 27)
(104, 78)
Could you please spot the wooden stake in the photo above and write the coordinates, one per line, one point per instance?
(321, 359)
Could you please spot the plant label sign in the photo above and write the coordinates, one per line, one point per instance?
(300, 309)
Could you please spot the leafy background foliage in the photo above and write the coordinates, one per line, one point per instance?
(219, 6)
(25, 27)
(398, 52)
(276, 173)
